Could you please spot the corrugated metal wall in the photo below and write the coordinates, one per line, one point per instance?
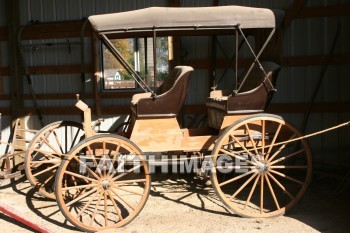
(315, 36)
(312, 36)
(5, 120)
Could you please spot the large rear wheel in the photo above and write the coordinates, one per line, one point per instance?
(258, 169)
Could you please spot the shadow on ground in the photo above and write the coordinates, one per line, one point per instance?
(322, 208)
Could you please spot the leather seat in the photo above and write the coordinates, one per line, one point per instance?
(253, 97)
(169, 97)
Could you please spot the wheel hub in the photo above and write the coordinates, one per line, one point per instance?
(105, 184)
(262, 167)
(261, 164)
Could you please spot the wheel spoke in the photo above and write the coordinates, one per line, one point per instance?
(79, 187)
(81, 197)
(90, 152)
(272, 192)
(75, 137)
(105, 208)
(87, 204)
(287, 157)
(91, 172)
(251, 191)
(46, 170)
(80, 176)
(273, 141)
(122, 199)
(103, 158)
(236, 178)
(280, 149)
(115, 205)
(237, 156)
(117, 149)
(251, 139)
(287, 177)
(262, 194)
(66, 139)
(96, 207)
(114, 159)
(46, 153)
(52, 148)
(235, 167)
(58, 141)
(288, 167)
(54, 161)
(121, 164)
(241, 145)
(41, 142)
(262, 140)
(74, 180)
(124, 174)
(281, 186)
(243, 186)
(47, 180)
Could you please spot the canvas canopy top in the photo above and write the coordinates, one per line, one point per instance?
(166, 18)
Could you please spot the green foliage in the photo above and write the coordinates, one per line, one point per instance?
(125, 48)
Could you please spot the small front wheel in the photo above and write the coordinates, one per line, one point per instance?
(258, 169)
(102, 183)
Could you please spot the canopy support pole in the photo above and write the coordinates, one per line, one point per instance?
(256, 57)
(124, 63)
(236, 61)
(154, 58)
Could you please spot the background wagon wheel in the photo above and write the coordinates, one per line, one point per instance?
(257, 171)
(103, 182)
(44, 152)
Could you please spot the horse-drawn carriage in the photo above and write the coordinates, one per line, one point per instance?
(257, 168)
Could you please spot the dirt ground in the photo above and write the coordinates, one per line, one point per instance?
(181, 203)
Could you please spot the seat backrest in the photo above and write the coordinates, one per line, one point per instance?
(170, 96)
(257, 93)
(174, 76)
(256, 76)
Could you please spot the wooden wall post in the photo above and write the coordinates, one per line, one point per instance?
(16, 79)
(174, 42)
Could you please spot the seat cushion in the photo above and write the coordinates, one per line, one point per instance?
(217, 102)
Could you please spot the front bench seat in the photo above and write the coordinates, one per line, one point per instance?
(169, 97)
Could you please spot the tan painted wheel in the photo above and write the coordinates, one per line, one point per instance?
(256, 172)
(103, 183)
(44, 152)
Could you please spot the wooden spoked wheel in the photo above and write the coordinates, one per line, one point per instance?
(44, 153)
(103, 183)
(258, 170)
